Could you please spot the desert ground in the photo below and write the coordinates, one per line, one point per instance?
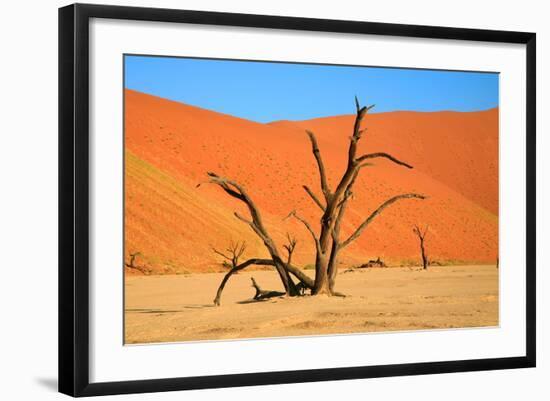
(171, 308)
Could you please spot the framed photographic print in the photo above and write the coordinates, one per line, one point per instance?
(250, 199)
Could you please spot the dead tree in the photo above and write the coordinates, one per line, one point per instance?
(372, 263)
(300, 286)
(285, 270)
(132, 263)
(421, 237)
(333, 207)
(290, 247)
(334, 202)
(233, 252)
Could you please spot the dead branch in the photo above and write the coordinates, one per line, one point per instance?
(220, 253)
(249, 262)
(322, 174)
(373, 215)
(264, 294)
(237, 191)
(357, 132)
(314, 197)
(384, 155)
(305, 280)
(306, 224)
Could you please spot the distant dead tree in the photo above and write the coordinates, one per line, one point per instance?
(333, 205)
(421, 237)
(132, 263)
(290, 247)
(232, 253)
(373, 263)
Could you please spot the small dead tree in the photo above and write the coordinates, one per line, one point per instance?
(232, 253)
(421, 237)
(290, 246)
(132, 263)
(373, 263)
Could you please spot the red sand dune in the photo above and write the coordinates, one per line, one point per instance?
(173, 224)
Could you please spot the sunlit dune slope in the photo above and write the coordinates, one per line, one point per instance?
(458, 149)
(174, 224)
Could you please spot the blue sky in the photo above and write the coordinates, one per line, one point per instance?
(264, 91)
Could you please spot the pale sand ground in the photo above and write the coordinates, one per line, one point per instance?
(179, 308)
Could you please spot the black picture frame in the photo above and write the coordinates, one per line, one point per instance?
(74, 198)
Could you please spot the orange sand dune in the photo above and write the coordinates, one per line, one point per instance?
(173, 224)
(458, 149)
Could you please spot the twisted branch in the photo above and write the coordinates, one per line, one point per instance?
(382, 154)
(235, 269)
(322, 174)
(314, 197)
(373, 215)
(306, 224)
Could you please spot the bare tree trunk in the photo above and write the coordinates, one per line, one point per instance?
(321, 274)
(421, 236)
(424, 258)
(333, 261)
(328, 242)
(332, 266)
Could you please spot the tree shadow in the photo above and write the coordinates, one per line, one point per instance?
(157, 311)
(199, 306)
(258, 300)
